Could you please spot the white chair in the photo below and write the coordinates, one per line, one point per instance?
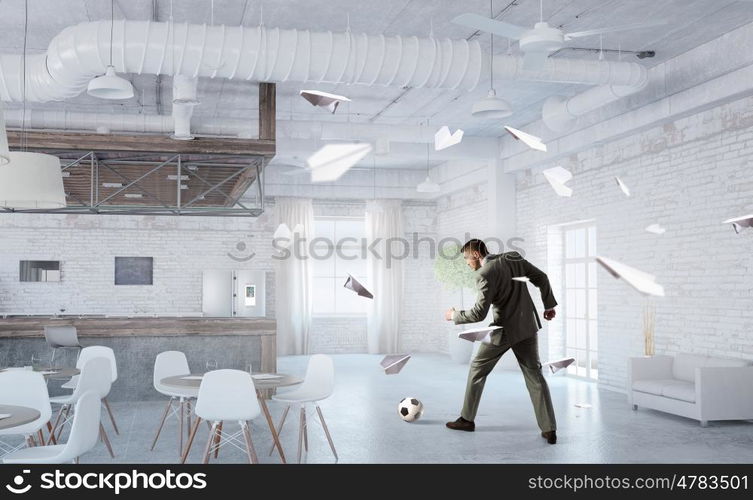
(173, 364)
(61, 337)
(318, 385)
(83, 437)
(225, 395)
(96, 351)
(95, 376)
(25, 388)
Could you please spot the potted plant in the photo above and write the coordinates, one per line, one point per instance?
(450, 270)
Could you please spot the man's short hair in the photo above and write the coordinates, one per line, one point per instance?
(475, 245)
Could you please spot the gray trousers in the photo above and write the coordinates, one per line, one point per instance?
(527, 353)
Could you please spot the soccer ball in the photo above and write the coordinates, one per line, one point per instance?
(410, 409)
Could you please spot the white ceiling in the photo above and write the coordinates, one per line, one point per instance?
(690, 23)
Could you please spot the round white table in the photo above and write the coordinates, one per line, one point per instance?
(263, 382)
(19, 415)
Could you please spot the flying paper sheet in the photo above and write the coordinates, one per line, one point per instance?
(333, 160)
(443, 139)
(559, 364)
(655, 228)
(557, 177)
(738, 223)
(482, 335)
(643, 282)
(393, 363)
(531, 141)
(323, 99)
(524, 279)
(622, 186)
(352, 284)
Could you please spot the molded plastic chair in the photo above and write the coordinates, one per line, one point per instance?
(83, 437)
(225, 395)
(318, 384)
(97, 351)
(95, 376)
(25, 388)
(61, 337)
(173, 364)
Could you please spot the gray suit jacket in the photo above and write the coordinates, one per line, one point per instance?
(511, 304)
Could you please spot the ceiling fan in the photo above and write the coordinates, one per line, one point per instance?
(538, 42)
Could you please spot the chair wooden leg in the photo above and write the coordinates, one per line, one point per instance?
(305, 431)
(209, 443)
(30, 442)
(252, 458)
(218, 440)
(326, 431)
(301, 423)
(190, 410)
(105, 439)
(162, 423)
(190, 440)
(182, 420)
(55, 426)
(65, 419)
(112, 418)
(279, 429)
(41, 437)
(52, 434)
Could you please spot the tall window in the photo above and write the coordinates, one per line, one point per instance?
(336, 251)
(581, 339)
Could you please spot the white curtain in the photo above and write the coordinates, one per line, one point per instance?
(293, 277)
(384, 222)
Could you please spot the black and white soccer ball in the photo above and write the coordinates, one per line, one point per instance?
(410, 409)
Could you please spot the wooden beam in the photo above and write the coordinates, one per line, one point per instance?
(36, 140)
(267, 111)
(241, 185)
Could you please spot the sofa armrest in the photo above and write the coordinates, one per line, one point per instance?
(724, 392)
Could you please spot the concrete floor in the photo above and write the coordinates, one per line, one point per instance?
(362, 416)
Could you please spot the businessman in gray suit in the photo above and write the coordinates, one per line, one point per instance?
(514, 312)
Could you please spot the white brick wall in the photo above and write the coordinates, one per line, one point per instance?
(688, 176)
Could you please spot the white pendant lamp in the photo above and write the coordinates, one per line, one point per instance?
(428, 186)
(491, 106)
(4, 152)
(110, 85)
(31, 180)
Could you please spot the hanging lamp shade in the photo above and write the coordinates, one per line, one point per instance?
(4, 153)
(110, 86)
(31, 180)
(428, 186)
(491, 106)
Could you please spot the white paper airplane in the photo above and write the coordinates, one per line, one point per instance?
(655, 228)
(284, 236)
(323, 99)
(559, 364)
(524, 279)
(557, 177)
(443, 139)
(531, 141)
(352, 284)
(643, 282)
(393, 363)
(622, 186)
(738, 223)
(333, 160)
(482, 335)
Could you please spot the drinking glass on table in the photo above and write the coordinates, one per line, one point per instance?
(210, 365)
(250, 368)
(37, 362)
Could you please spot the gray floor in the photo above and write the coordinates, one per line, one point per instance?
(362, 416)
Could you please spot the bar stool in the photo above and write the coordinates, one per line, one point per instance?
(61, 337)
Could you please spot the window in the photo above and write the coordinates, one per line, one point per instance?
(581, 339)
(337, 251)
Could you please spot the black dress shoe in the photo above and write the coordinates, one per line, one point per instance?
(550, 436)
(461, 424)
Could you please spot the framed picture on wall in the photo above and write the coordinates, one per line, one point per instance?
(250, 295)
(134, 270)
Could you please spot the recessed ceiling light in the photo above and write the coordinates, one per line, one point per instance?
(112, 184)
(174, 177)
(134, 195)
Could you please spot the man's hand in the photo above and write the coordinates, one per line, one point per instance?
(448, 314)
(549, 314)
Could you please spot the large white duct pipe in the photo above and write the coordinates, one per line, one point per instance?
(79, 53)
(561, 114)
(184, 99)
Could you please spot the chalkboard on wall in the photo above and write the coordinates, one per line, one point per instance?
(134, 270)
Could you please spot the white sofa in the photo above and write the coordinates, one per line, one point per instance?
(698, 387)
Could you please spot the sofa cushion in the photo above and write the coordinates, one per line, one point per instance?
(650, 386)
(679, 389)
(684, 365)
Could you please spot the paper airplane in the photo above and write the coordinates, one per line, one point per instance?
(738, 223)
(643, 282)
(655, 228)
(284, 236)
(323, 99)
(352, 284)
(557, 177)
(524, 279)
(531, 141)
(333, 160)
(393, 363)
(622, 186)
(559, 364)
(443, 139)
(482, 335)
